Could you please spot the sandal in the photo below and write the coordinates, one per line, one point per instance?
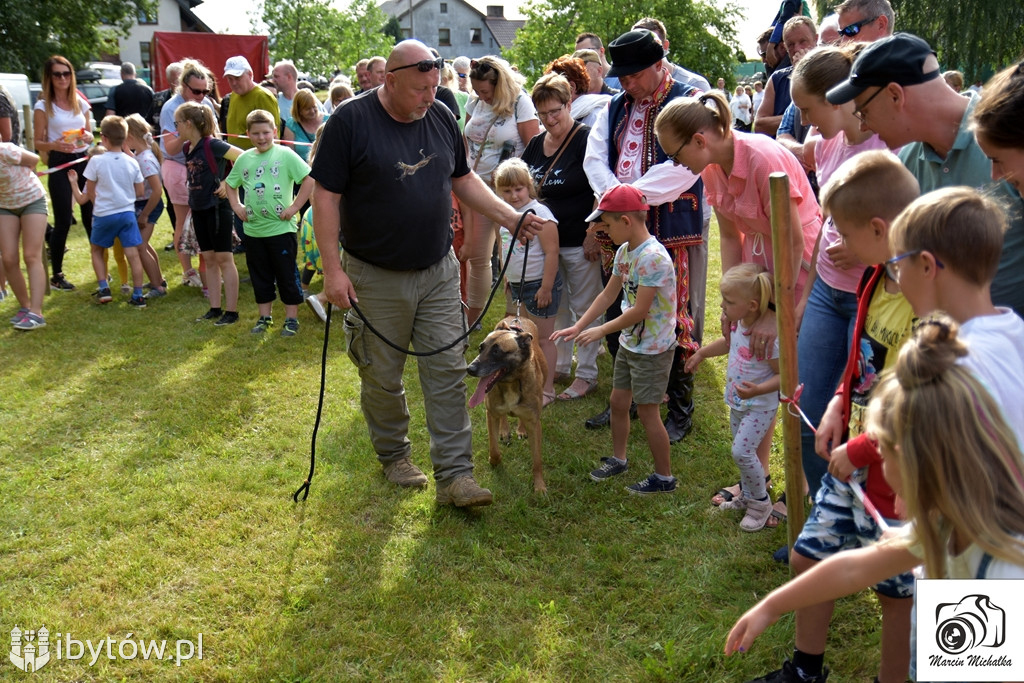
(572, 393)
(728, 493)
(548, 399)
(778, 514)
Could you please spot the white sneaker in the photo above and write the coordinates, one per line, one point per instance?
(758, 512)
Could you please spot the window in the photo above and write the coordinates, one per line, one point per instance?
(147, 18)
(406, 33)
(476, 36)
(444, 8)
(144, 53)
(444, 36)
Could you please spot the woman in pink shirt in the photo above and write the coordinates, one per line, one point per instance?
(697, 133)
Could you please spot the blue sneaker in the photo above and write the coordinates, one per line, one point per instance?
(103, 296)
(653, 484)
(608, 469)
(137, 302)
(19, 315)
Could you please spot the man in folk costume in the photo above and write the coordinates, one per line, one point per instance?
(622, 148)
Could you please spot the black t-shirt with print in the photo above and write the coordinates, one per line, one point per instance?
(395, 180)
(202, 183)
(566, 190)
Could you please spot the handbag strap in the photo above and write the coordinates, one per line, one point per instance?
(483, 143)
(558, 155)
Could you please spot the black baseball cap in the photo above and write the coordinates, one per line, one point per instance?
(898, 58)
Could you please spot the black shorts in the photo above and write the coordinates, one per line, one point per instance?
(213, 227)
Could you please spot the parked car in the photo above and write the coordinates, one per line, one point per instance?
(96, 93)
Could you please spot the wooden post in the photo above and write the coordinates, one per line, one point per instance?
(785, 303)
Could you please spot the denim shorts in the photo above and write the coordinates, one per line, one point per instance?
(527, 293)
(122, 225)
(36, 207)
(839, 522)
(155, 214)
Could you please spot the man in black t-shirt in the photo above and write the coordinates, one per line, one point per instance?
(131, 96)
(387, 164)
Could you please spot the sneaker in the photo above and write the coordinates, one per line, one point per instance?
(263, 324)
(209, 315)
(169, 247)
(653, 484)
(790, 674)
(229, 318)
(30, 321)
(155, 293)
(103, 296)
(3, 294)
(609, 468)
(59, 283)
(463, 492)
(404, 473)
(291, 327)
(19, 315)
(137, 301)
(191, 278)
(758, 512)
(314, 305)
(149, 285)
(126, 289)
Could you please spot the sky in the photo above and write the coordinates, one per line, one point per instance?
(228, 16)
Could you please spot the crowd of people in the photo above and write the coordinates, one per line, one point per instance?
(428, 175)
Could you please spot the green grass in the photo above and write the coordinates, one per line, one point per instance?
(146, 476)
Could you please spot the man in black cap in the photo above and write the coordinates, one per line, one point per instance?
(896, 86)
(622, 148)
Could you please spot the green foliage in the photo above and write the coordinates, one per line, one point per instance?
(700, 34)
(30, 32)
(320, 38)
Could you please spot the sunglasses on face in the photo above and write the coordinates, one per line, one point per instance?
(198, 92)
(60, 74)
(854, 28)
(424, 66)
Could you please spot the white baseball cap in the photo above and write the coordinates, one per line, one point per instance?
(236, 66)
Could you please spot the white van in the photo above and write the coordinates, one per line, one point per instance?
(17, 85)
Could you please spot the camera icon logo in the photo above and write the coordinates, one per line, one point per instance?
(973, 622)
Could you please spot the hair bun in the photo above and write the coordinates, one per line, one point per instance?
(933, 350)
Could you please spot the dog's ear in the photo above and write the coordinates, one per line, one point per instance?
(503, 324)
(524, 339)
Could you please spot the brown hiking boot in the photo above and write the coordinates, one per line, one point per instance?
(463, 492)
(404, 473)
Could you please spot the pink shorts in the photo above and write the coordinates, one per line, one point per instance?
(175, 180)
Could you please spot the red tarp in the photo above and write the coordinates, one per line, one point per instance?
(212, 49)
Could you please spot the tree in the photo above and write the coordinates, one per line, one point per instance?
(320, 38)
(700, 34)
(977, 37)
(32, 31)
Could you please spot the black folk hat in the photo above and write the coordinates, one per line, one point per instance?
(634, 51)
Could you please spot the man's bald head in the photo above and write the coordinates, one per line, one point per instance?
(407, 52)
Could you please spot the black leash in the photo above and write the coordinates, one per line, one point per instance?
(304, 489)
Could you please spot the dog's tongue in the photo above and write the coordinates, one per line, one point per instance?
(482, 387)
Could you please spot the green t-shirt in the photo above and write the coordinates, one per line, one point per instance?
(239, 107)
(269, 181)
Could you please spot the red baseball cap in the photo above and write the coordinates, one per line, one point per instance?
(620, 199)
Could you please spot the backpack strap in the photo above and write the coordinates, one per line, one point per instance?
(210, 160)
(982, 572)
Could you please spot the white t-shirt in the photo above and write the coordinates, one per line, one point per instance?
(740, 108)
(503, 135)
(745, 367)
(115, 175)
(758, 96)
(995, 346)
(149, 167)
(535, 260)
(65, 120)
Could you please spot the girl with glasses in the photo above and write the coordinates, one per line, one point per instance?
(63, 132)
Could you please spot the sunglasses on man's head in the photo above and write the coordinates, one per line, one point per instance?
(854, 28)
(424, 66)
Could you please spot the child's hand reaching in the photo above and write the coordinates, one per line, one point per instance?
(839, 466)
(749, 626)
(590, 335)
(693, 362)
(73, 176)
(568, 334)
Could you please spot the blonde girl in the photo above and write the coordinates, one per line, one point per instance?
(539, 288)
(959, 477)
(751, 386)
(500, 120)
(151, 206)
(211, 213)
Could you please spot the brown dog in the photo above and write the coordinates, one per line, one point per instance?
(512, 369)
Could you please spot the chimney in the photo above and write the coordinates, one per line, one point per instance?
(496, 11)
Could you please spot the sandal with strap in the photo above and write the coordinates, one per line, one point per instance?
(778, 514)
(728, 493)
(572, 393)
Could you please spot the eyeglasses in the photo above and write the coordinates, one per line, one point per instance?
(854, 28)
(545, 115)
(424, 66)
(892, 266)
(674, 154)
(198, 92)
(60, 74)
(860, 112)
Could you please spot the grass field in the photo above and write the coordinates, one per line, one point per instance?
(147, 464)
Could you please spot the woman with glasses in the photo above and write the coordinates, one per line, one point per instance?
(195, 87)
(555, 158)
(63, 132)
(500, 120)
